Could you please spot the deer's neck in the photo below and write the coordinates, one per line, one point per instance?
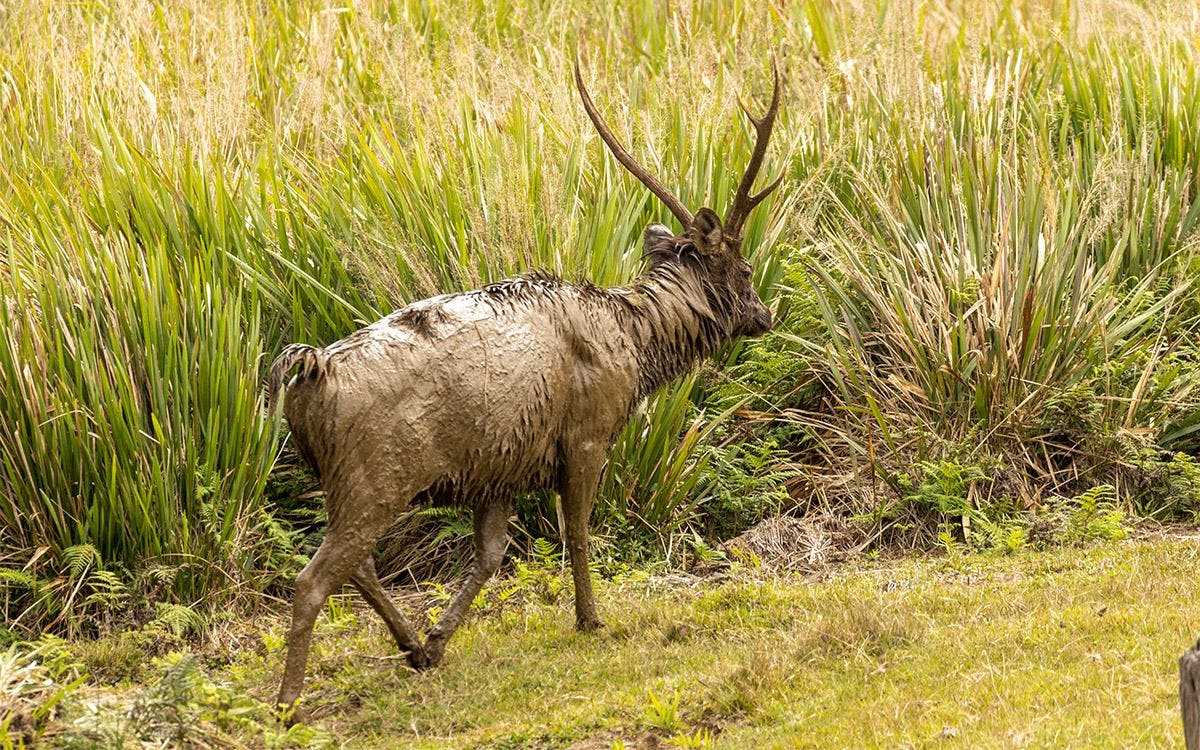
(673, 324)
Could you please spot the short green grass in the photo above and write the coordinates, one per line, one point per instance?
(1074, 647)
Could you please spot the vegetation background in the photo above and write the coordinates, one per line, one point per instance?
(981, 259)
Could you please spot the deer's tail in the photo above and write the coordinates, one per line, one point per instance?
(307, 357)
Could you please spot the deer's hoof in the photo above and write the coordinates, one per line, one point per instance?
(589, 624)
(435, 648)
(418, 659)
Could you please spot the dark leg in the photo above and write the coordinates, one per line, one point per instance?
(577, 493)
(407, 639)
(491, 539)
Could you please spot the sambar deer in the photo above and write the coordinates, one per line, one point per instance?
(473, 398)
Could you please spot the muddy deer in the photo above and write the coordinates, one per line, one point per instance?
(473, 398)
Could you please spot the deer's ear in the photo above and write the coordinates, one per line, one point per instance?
(706, 231)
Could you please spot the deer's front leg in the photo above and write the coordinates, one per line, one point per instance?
(577, 491)
(491, 539)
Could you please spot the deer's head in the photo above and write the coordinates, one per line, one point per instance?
(712, 245)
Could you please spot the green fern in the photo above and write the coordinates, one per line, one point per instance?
(545, 552)
(107, 590)
(21, 579)
(1094, 515)
(706, 554)
(79, 558)
(177, 619)
(455, 523)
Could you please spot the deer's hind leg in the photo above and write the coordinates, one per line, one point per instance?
(331, 567)
(354, 526)
(406, 636)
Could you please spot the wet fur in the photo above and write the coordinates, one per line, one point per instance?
(474, 398)
(664, 323)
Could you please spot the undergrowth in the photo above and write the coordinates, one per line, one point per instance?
(981, 262)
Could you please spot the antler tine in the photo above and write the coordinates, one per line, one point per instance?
(756, 122)
(647, 179)
(743, 201)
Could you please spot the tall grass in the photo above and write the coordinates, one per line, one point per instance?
(1005, 272)
(995, 203)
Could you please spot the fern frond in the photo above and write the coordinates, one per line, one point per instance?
(79, 558)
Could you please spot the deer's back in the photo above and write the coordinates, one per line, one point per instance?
(462, 396)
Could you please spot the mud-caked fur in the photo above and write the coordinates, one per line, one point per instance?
(471, 399)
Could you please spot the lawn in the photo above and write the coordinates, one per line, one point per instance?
(1066, 648)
